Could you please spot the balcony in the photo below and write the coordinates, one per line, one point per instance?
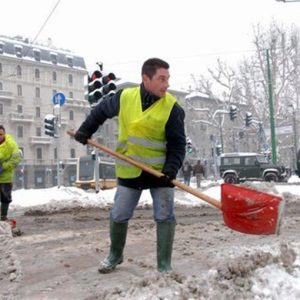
(70, 161)
(21, 117)
(6, 95)
(64, 121)
(41, 140)
(76, 103)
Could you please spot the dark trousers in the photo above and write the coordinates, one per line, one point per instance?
(5, 197)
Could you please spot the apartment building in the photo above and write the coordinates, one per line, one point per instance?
(30, 74)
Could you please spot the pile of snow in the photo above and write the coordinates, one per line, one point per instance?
(67, 197)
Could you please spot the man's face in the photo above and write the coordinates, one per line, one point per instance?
(2, 135)
(159, 83)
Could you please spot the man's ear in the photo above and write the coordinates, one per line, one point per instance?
(145, 78)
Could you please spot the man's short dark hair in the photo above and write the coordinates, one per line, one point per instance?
(152, 64)
(2, 127)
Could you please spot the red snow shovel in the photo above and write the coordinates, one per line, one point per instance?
(244, 210)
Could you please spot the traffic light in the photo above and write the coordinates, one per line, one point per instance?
(99, 86)
(51, 125)
(189, 146)
(219, 150)
(248, 119)
(233, 112)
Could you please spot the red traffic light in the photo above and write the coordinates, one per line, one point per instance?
(95, 75)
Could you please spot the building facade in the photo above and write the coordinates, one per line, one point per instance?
(30, 74)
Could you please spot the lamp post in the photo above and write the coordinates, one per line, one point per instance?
(271, 109)
(288, 1)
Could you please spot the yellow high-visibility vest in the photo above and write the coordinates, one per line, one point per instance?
(142, 133)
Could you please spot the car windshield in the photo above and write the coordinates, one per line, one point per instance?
(262, 159)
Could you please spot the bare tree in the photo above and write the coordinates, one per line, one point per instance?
(284, 48)
(249, 84)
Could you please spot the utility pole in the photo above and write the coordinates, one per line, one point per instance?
(295, 137)
(271, 110)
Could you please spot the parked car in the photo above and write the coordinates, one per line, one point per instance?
(239, 167)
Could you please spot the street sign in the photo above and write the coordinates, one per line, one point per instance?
(59, 98)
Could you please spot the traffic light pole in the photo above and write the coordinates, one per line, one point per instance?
(215, 160)
(96, 170)
(57, 164)
(219, 123)
(57, 112)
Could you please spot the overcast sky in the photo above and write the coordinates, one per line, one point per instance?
(189, 34)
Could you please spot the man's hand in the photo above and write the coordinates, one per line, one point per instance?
(167, 180)
(81, 137)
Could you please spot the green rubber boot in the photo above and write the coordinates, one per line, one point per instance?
(165, 237)
(118, 233)
(4, 211)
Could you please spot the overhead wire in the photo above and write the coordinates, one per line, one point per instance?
(38, 33)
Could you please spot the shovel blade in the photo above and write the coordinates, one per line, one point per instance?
(250, 211)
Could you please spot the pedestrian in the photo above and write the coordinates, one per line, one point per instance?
(198, 171)
(187, 172)
(9, 159)
(151, 130)
(298, 163)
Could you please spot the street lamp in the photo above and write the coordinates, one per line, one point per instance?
(287, 1)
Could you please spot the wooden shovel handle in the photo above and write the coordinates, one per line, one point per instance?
(152, 171)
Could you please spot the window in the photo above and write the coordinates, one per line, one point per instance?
(1, 86)
(39, 153)
(19, 71)
(71, 95)
(55, 153)
(37, 92)
(250, 161)
(38, 131)
(21, 149)
(70, 79)
(71, 115)
(72, 153)
(231, 161)
(37, 112)
(54, 76)
(20, 131)
(53, 57)
(1, 109)
(19, 108)
(18, 50)
(1, 47)
(19, 90)
(37, 54)
(37, 74)
(70, 61)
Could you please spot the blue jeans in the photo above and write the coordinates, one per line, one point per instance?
(126, 200)
(187, 180)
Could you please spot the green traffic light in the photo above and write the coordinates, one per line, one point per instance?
(189, 149)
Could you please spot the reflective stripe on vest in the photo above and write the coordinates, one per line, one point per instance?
(142, 133)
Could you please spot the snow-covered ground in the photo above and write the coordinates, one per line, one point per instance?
(270, 282)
